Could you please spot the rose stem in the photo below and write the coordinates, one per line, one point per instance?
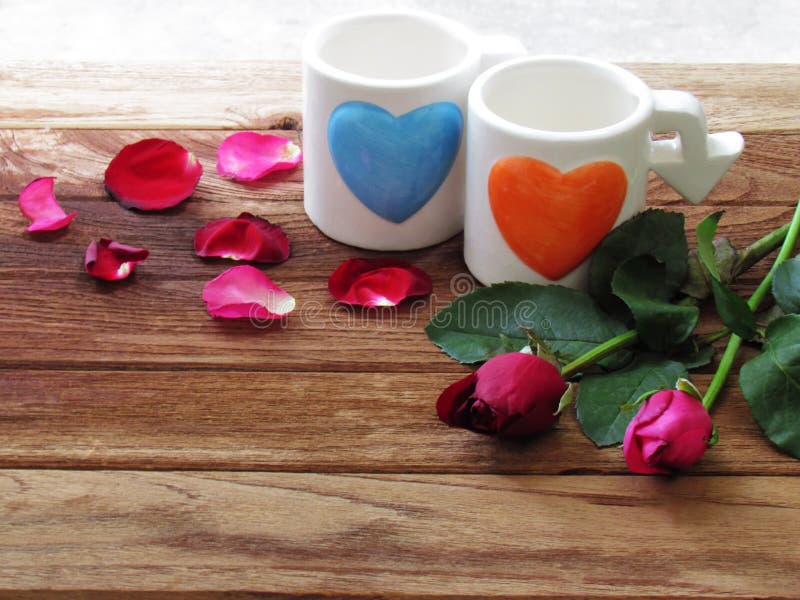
(709, 339)
(735, 342)
(623, 340)
(759, 249)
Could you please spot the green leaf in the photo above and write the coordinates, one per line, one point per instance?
(734, 311)
(686, 386)
(566, 398)
(771, 384)
(476, 326)
(706, 231)
(786, 285)
(601, 396)
(653, 232)
(695, 358)
(639, 282)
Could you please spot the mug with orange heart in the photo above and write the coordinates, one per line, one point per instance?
(558, 152)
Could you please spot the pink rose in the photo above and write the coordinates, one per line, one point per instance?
(510, 395)
(671, 431)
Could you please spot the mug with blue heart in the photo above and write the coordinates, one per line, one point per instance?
(384, 101)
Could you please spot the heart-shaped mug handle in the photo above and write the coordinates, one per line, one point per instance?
(693, 161)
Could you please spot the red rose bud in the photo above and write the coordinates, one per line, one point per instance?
(671, 431)
(511, 395)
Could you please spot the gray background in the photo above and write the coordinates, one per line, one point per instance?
(617, 30)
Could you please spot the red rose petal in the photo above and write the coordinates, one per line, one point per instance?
(246, 237)
(245, 292)
(111, 260)
(377, 282)
(247, 156)
(457, 395)
(38, 203)
(152, 174)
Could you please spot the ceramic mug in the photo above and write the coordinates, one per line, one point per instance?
(384, 99)
(558, 153)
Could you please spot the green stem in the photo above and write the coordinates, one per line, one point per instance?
(713, 337)
(623, 340)
(735, 342)
(759, 249)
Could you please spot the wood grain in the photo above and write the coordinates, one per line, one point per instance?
(259, 94)
(767, 173)
(744, 97)
(199, 95)
(78, 159)
(56, 316)
(306, 422)
(400, 536)
(304, 459)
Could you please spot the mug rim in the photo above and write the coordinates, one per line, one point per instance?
(477, 103)
(456, 30)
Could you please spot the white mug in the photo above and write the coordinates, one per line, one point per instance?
(558, 152)
(384, 100)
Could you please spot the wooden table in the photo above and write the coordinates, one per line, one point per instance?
(145, 447)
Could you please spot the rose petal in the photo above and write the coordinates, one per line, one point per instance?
(112, 261)
(454, 398)
(632, 450)
(245, 292)
(152, 174)
(38, 203)
(246, 237)
(687, 448)
(247, 156)
(377, 282)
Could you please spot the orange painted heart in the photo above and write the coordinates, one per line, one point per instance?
(553, 220)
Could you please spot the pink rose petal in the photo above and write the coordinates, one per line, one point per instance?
(377, 282)
(246, 237)
(248, 156)
(245, 292)
(111, 260)
(38, 203)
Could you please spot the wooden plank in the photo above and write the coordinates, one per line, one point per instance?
(169, 95)
(400, 536)
(257, 94)
(306, 422)
(78, 159)
(767, 173)
(742, 97)
(56, 316)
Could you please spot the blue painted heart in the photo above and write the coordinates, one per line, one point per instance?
(394, 165)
